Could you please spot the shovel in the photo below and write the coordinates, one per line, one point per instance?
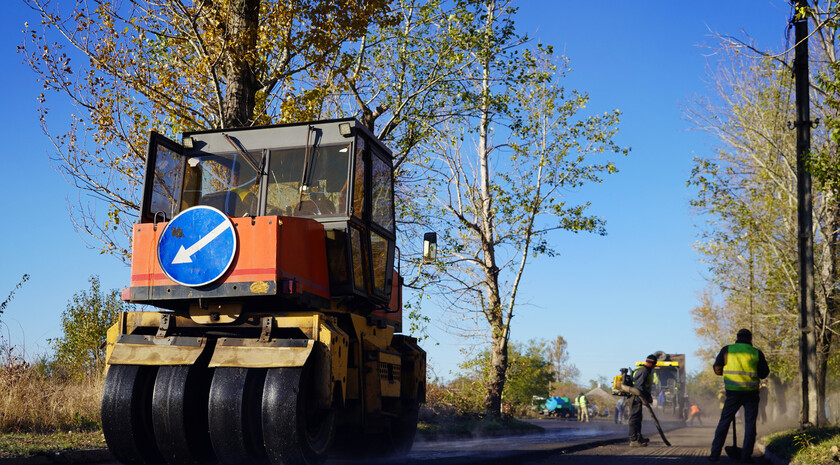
(733, 451)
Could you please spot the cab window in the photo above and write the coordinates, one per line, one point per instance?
(359, 179)
(166, 182)
(313, 184)
(359, 259)
(227, 182)
(379, 258)
(382, 194)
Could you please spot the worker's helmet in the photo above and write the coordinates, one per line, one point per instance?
(652, 359)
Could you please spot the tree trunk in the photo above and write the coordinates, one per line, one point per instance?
(779, 403)
(498, 374)
(822, 368)
(493, 311)
(832, 302)
(240, 79)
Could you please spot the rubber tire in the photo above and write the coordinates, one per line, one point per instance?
(179, 415)
(295, 431)
(127, 414)
(233, 415)
(404, 428)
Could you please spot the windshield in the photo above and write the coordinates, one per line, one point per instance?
(314, 187)
(224, 181)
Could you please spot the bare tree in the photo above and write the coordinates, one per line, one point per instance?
(498, 204)
(558, 355)
(748, 186)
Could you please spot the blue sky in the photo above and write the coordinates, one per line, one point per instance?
(615, 299)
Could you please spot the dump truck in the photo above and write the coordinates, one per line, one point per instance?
(669, 377)
(268, 255)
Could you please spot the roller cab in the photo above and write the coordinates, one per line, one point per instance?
(266, 257)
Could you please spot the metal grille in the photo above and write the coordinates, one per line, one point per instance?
(389, 372)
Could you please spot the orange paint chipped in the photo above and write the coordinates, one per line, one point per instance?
(269, 249)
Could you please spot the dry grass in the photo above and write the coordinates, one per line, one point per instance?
(33, 401)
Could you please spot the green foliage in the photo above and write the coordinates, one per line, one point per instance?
(496, 175)
(803, 440)
(703, 384)
(174, 66)
(823, 162)
(529, 374)
(812, 446)
(746, 193)
(80, 350)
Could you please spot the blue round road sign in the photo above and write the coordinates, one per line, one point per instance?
(197, 246)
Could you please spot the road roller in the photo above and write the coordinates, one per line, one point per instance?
(270, 330)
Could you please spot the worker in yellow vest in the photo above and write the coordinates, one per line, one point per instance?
(742, 367)
(584, 408)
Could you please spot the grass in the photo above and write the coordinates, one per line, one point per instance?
(34, 401)
(28, 444)
(813, 446)
(44, 413)
(454, 426)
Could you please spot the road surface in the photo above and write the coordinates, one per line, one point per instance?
(563, 442)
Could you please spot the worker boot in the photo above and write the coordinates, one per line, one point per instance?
(644, 439)
(638, 444)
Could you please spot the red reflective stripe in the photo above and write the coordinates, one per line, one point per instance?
(161, 276)
(270, 271)
(148, 277)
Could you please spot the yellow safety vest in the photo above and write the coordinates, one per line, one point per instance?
(740, 373)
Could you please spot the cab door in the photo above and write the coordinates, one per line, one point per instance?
(381, 231)
(164, 180)
(371, 226)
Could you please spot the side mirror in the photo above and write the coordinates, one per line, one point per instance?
(429, 247)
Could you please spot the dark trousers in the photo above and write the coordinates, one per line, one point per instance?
(734, 401)
(635, 419)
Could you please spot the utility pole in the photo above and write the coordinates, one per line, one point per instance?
(807, 334)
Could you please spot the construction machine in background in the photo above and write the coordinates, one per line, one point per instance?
(669, 377)
(559, 406)
(269, 255)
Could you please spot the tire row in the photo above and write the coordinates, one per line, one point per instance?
(192, 415)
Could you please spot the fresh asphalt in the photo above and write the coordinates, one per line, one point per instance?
(600, 442)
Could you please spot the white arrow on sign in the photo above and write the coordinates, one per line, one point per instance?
(185, 255)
